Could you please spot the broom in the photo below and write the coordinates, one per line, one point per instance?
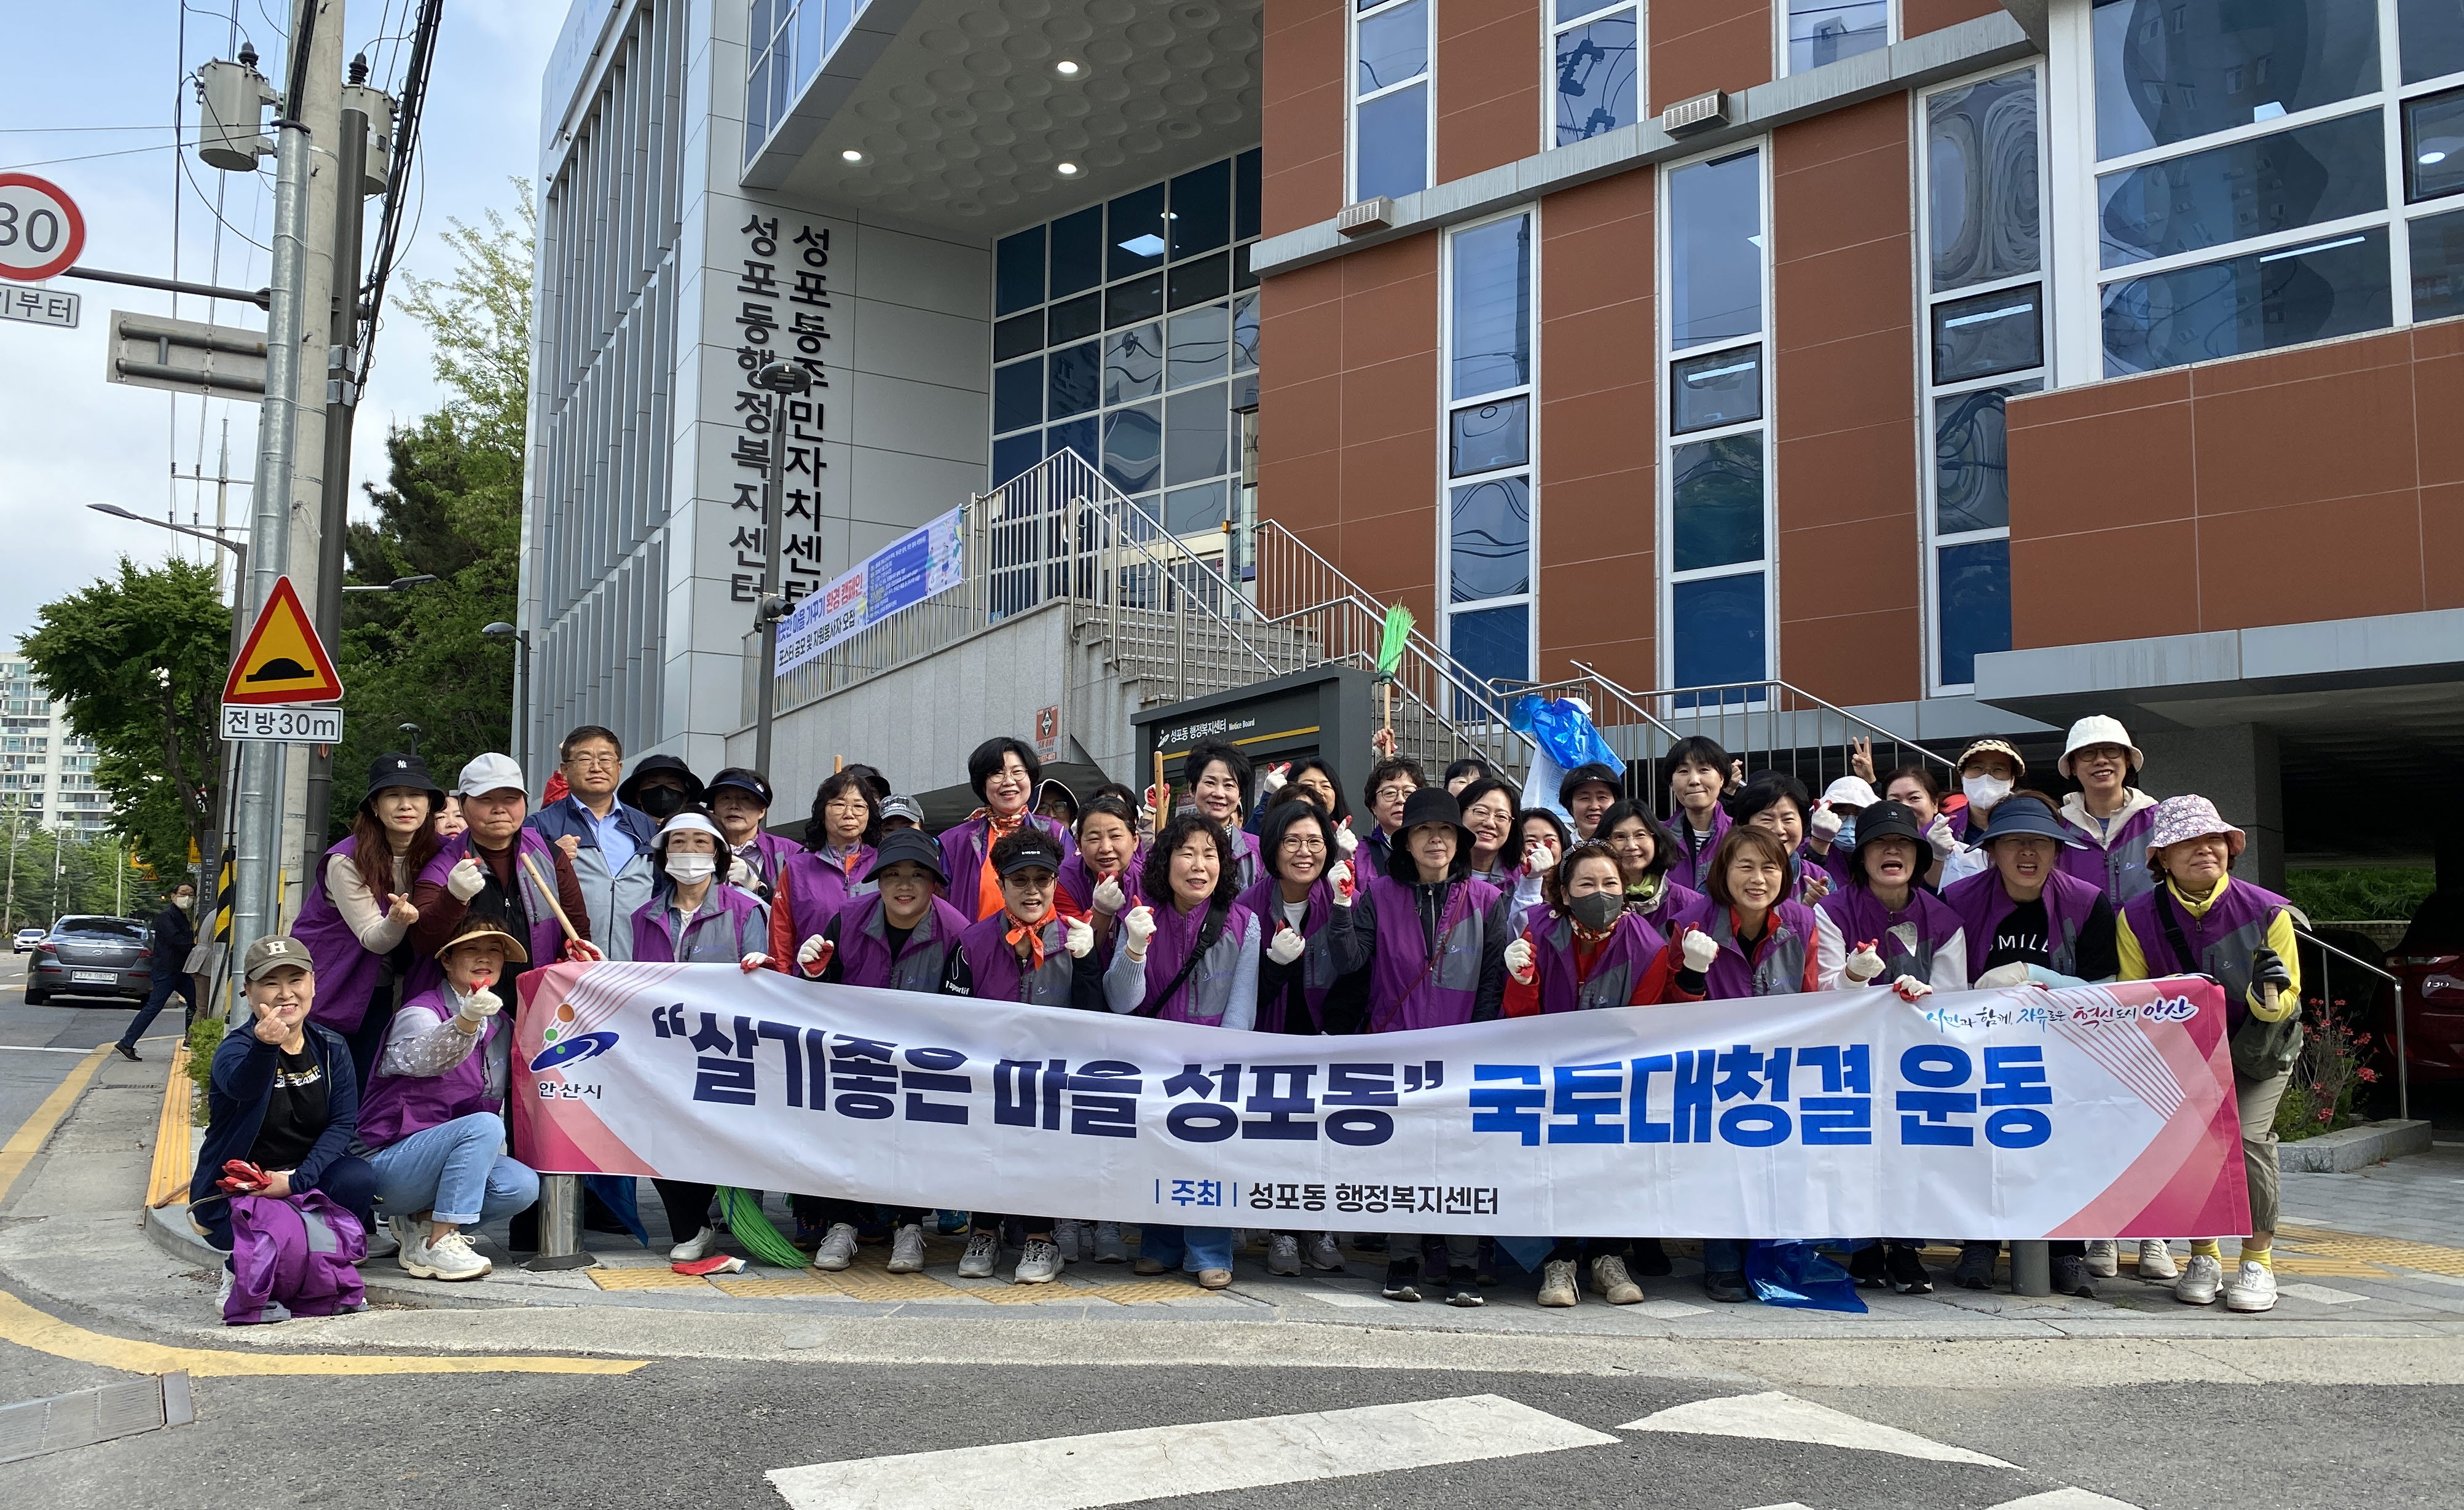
(742, 1210)
(1390, 656)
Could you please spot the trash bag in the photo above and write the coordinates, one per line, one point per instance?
(1566, 738)
(1794, 1274)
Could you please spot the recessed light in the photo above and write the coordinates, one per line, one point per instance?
(2432, 159)
(851, 155)
(1069, 68)
(1066, 169)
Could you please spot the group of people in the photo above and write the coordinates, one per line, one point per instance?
(376, 1067)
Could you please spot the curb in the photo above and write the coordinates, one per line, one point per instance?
(2351, 1148)
(172, 1233)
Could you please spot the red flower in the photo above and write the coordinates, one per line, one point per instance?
(2368, 1076)
(2326, 1114)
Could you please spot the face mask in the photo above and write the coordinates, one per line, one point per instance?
(1597, 912)
(1847, 839)
(661, 803)
(181, 903)
(1984, 791)
(690, 868)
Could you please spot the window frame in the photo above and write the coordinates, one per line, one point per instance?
(1781, 13)
(1551, 29)
(1426, 81)
(1529, 468)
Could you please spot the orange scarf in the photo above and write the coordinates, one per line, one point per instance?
(1033, 935)
(988, 898)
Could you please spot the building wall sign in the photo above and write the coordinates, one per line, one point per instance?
(781, 297)
(900, 574)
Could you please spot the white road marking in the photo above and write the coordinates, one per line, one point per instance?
(2066, 1499)
(2434, 1278)
(1670, 1311)
(1776, 1417)
(1349, 1298)
(2323, 1294)
(1110, 1468)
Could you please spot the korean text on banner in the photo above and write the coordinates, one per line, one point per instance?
(906, 571)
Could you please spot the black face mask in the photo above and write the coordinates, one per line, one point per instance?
(661, 802)
(1597, 912)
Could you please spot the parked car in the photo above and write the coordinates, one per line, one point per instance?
(2430, 959)
(91, 956)
(28, 938)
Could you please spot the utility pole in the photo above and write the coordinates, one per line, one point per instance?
(9, 909)
(786, 382)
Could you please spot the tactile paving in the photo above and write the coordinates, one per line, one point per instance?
(792, 1285)
(869, 1283)
(1148, 1292)
(2361, 1248)
(645, 1277)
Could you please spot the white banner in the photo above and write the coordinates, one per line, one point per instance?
(2100, 1112)
(925, 560)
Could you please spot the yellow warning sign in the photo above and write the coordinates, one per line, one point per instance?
(284, 661)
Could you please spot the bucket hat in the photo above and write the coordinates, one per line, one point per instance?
(402, 770)
(2185, 818)
(2097, 729)
(480, 928)
(652, 765)
(2019, 762)
(1851, 791)
(1434, 804)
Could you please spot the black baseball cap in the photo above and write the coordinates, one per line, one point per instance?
(901, 844)
(744, 779)
(1036, 851)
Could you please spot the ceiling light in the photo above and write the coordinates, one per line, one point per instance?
(851, 155)
(1069, 68)
(2432, 159)
(1066, 169)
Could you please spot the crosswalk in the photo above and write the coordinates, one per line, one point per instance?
(1164, 1462)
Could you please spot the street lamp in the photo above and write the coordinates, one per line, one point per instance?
(782, 380)
(400, 584)
(522, 638)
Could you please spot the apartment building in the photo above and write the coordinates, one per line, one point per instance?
(46, 771)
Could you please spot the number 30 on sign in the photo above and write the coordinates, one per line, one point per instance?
(281, 725)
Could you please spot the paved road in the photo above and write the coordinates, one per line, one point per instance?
(63, 1022)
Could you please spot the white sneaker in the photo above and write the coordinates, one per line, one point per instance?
(1283, 1253)
(222, 1294)
(906, 1250)
(838, 1247)
(2156, 1259)
(983, 1253)
(410, 1245)
(2102, 1260)
(2252, 1289)
(1557, 1282)
(1071, 1238)
(1039, 1264)
(404, 1230)
(1320, 1251)
(701, 1245)
(449, 1258)
(1614, 1284)
(2201, 1277)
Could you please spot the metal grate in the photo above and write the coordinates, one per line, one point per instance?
(83, 1417)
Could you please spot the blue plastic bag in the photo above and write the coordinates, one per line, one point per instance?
(1563, 731)
(1794, 1274)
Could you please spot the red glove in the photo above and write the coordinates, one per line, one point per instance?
(241, 1178)
(583, 951)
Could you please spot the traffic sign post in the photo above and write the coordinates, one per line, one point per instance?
(282, 661)
(41, 306)
(283, 726)
(42, 230)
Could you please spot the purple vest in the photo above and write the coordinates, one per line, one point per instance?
(2120, 870)
(1673, 899)
(963, 855)
(300, 1252)
(1318, 973)
(1906, 939)
(864, 956)
(346, 974)
(728, 925)
(1245, 858)
(1078, 882)
(1777, 971)
(817, 888)
(1982, 904)
(1690, 865)
(2233, 929)
(398, 1106)
(1633, 944)
(1408, 990)
(769, 855)
(547, 938)
(996, 969)
(1203, 996)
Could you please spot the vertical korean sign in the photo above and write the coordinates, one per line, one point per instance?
(783, 294)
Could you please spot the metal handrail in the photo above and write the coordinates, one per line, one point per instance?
(2403, 1077)
(1623, 698)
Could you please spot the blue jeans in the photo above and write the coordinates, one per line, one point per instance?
(155, 1001)
(455, 1172)
(1723, 1256)
(1194, 1249)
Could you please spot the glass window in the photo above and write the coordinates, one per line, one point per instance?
(1245, 171)
(1133, 447)
(2438, 266)
(1075, 320)
(1199, 338)
(1492, 644)
(1715, 275)
(1206, 279)
(1191, 511)
(1716, 501)
(1015, 455)
(1201, 210)
(1132, 365)
(1823, 32)
(1134, 230)
(1723, 388)
(756, 109)
(1489, 544)
(1393, 46)
(1244, 332)
(1017, 395)
(842, 16)
(1017, 335)
(2245, 188)
(808, 40)
(1139, 299)
(1596, 78)
(2431, 36)
(1719, 629)
(1989, 333)
(2170, 70)
(1075, 379)
(1242, 276)
(1981, 181)
(1971, 463)
(1078, 436)
(1976, 610)
(1078, 252)
(2336, 287)
(2434, 145)
(1197, 432)
(1491, 436)
(1391, 144)
(1492, 307)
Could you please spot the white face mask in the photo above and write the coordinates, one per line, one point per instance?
(181, 903)
(690, 868)
(1984, 791)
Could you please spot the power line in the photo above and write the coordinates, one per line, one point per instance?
(88, 157)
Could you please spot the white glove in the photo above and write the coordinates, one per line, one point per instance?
(478, 1007)
(466, 880)
(1700, 949)
(1110, 898)
(2001, 978)
(1136, 927)
(1338, 880)
(1910, 988)
(1864, 963)
(1078, 936)
(1938, 835)
(1286, 946)
(1826, 823)
(741, 874)
(814, 957)
(1276, 778)
(1345, 840)
(753, 962)
(1518, 962)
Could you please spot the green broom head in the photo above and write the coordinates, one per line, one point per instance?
(751, 1229)
(1390, 648)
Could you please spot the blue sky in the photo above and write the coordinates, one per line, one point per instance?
(83, 76)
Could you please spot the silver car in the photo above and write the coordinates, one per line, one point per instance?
(91, 956)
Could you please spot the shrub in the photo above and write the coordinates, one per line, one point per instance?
(205, 1037)
(2331, 1071)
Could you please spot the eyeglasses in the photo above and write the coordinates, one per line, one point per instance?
(1300, 846)
(1395, 789)
(594, 762)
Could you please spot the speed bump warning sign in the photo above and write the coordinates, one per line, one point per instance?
(282, 661)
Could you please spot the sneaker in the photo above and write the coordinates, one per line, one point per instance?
(701, 1245)
(1283, 1253)
(1039, 1264)
(907, 1249)
(404, 1231)
(837, 1249)
(1975, 1270)
(2201, 1278)
(2156, 1259)
(1109, 1246)
(129, 1053)
(449, 1258)
(1214, 1279)
(411, 1243)
(983, 1251)
(1147, 1266)
(2103, 1261)
(2253, 1288)
(1907, 1271)
(2070, 1277)
(1651, 1259)
(1462, 1286)
(810, 1234)
(949, 1223)
(1557, 1282)
(1402, 1281)
(1609, 1279)
(222, 1292)
(1369, 1242)
(1321, 1252)
(1868, 1268)
(1727, 1286)
(1069, 1238)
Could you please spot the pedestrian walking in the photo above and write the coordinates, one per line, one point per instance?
(174, 935)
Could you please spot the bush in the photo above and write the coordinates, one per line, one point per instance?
(205, 1037)
(2360, 893)
(2331, 1071)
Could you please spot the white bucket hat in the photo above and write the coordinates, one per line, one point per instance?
(2097, 729)
(1850, 791)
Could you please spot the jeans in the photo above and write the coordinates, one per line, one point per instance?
(1402, 1247)
(454, 1172)
(155, 1003)
(1723, 1256)
(1194, 1249)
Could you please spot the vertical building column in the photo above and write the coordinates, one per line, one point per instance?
(2234, 766)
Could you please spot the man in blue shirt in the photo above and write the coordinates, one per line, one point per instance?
(608, 841)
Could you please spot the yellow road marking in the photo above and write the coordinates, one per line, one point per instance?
(28, 1139)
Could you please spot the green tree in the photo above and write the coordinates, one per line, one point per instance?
(138, 664)
(452, 508)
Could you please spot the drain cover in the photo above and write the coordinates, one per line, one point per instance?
(33, 1428)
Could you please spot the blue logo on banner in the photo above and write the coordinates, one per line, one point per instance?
(572, 1050)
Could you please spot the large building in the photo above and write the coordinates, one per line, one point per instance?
(46, 771)
(1966, 366)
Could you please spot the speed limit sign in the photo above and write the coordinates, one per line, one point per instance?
(40, 229)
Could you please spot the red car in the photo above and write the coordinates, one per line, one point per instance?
(2431, 962)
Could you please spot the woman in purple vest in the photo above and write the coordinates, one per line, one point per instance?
(1644, 853)
(1189, 956)
(2110, 818)
(430, 1118)
(1433, 941)
(2199, 920)
(1587, 950)
(1698, 776)
(358, 916)
(1778, 802)
(739, 798)
(1003, 772)
(1541, 839)
(1489, 810)
(1219, 777)
(1919, 790)
(1102, 880)
(816, 879)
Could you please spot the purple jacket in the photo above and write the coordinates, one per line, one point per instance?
(398, 1106)
(1661, 914)
(299, 1252)
(770, 853)
(994, 967)
(545, 940)
(1691, 864)
(1408, 990)
(815, 888)
(1208, 991)
(1784, 965)
(962, 854)
(1907, 940)
(728, 925)
(1318, 972)
(863, 940)
(2225, 940)
(1078, 884)
(2120, 870)
(347, 974)
(1633, 944)
(1982, 904)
